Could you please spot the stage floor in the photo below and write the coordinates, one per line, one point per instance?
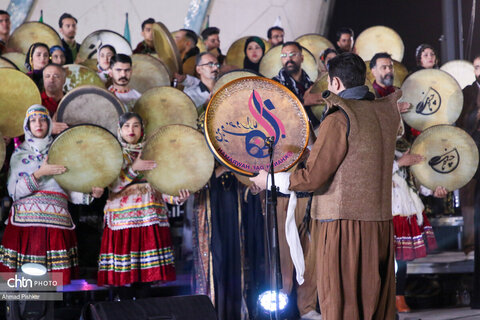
(442, 314)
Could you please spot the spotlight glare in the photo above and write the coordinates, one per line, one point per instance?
(268, 300)
(34, 269)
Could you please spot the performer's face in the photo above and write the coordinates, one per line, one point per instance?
(212, 42)
(4, 25)
(131, 130)
(254, 52)
(383, 71)
(345, 42)
(476, 66)
(277, 37)
(53, 79)
(40, 58)
(428, 58)
(38, 126)
(121, 73)
(292, 59)
(147, 33)
(69, 28)
(58, 57)
(104, 57)
(208, 67)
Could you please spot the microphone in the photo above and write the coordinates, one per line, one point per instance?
(269, 140)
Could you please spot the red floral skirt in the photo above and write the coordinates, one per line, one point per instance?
(54, 248)
(142, 254)
(411, 240)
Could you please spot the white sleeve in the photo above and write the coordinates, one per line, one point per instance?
(190, 81)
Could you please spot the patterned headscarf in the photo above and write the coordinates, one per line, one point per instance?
(127, 147)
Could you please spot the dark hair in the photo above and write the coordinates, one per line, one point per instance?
(148, 21)
(326, 52)
(292, 43)
(477, 56)
(269, 32)
(256, 39)
(110, 47)
(55, 48)
(349, 68)
(120, 57)
(56, 65)
(127, 116)
(380, 55)
(199, 57)
(31, 50)
(191, 36)
(209, 31)
(420, 49)
(344, 30)
(65, 16)
(4, 12)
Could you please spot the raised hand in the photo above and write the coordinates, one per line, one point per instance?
(143, 165)
(49, 169)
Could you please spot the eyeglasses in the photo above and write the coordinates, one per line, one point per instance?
(210, 64)
(291, 54)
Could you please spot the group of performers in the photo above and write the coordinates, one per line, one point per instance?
(354, 168)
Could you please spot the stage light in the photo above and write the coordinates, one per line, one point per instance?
(268, 300)
(34, 269)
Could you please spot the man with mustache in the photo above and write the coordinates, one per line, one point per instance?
(199, 90)
(296, 79)
(121, 72)
(381, 66)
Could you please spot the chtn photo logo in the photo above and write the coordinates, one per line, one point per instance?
(21, 282)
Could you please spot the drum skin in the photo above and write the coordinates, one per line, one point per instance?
(379, 39)
(183, 159)
(17, 58)
(92, 155)
(435, 98)
(79, 75)
(166, 48)
(233, 75)
(161, 106)
(462, 70)
(315, 43)
(30, 32)
(91, 105)
(451, 157)
(244, 113)
(92, 42)
(148, 72)
(16, 96)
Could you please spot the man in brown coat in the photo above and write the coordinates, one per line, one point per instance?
(350, 172)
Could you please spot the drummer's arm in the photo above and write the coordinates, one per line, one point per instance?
(326, 155)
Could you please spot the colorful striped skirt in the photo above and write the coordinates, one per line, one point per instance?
(54, 248)
(411, 240)
(141, 254)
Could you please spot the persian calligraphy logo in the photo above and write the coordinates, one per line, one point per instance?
(430, 103)
(255, 144)
(445, 163)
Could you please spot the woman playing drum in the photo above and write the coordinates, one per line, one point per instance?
(136, 243)
(40, 229)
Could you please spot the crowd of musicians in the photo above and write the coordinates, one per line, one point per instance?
(354, 217)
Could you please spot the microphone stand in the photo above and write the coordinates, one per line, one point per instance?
(273, 230)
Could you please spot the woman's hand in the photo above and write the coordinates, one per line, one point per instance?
(48, 169)
(409, 159)
(143, 165)
(184, 194)
(97, 192)
(440, 192)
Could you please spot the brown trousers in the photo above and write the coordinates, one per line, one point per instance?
(355, 269)
(307, 292)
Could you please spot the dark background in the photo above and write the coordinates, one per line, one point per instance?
(416, 21)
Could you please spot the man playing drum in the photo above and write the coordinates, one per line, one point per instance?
(121, 72)
(146, 46)
(352, 228)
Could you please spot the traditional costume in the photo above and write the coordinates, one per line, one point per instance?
(136, 243)
(128, 97)
(39, 227)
